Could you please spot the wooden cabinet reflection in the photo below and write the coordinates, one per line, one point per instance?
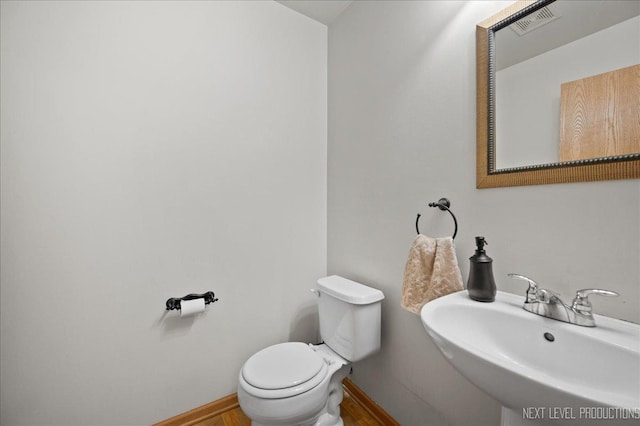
(600, 115)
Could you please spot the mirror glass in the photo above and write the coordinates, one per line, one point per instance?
(567, 84)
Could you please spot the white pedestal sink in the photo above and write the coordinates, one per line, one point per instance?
(540, 369)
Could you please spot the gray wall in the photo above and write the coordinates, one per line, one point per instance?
(151, 150)
(402, 134)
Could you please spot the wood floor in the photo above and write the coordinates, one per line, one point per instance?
(352, 415)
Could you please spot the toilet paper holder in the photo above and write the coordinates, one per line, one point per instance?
(174, 302)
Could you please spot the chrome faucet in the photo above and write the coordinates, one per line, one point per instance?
(545, 303)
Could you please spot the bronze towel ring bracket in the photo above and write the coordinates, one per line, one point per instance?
(442, 204)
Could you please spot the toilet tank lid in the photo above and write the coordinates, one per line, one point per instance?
(349, 291)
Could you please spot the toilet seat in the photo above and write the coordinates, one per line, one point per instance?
(283, 370)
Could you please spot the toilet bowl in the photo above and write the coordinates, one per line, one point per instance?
(295, 383)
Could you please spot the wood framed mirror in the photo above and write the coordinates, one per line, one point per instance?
(490, 143)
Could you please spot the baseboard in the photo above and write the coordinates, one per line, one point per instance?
(230, 402)
(363, 400)
(203, 412)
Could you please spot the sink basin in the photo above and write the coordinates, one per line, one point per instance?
(569, 371)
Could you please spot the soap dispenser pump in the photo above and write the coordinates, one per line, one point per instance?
(481, 285)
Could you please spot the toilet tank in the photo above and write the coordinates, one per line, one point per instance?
(349, 315)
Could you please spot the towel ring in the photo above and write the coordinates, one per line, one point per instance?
(443, 204)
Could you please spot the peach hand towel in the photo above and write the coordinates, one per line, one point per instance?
(431, 271)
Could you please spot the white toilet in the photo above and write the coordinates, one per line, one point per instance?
(301, 384)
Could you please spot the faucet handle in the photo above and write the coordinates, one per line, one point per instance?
(532, 284)
(532, 291)
(581, 302)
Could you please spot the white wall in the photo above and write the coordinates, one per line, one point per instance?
(150, 150)
(518, 141)
(402, 134)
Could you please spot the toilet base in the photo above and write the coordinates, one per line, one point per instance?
(340, 423)
(331, 414)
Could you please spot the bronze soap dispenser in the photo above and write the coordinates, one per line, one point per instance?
(481, 285)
